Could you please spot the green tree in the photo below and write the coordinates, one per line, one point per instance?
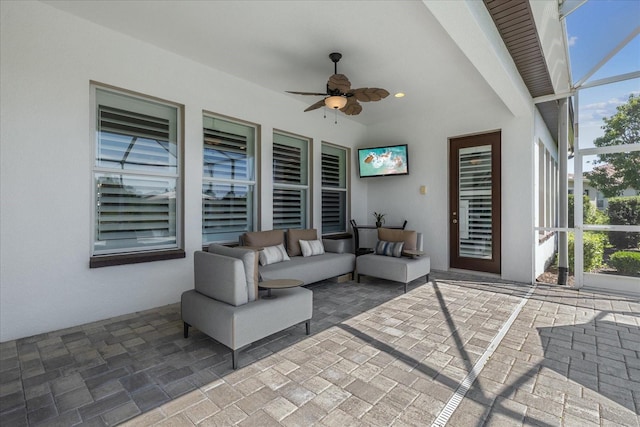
(616, 172)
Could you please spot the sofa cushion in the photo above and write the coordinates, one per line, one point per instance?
(273, 254)
(220, 277)
(295, 235)
(311, 269)
(401, 269)
(311, 247)
(389, 248)
(261, 239)
(409, 237)
(249, 258)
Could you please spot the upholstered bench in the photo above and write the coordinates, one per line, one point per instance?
(397, 268)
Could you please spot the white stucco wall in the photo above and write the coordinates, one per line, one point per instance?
(48, 60)
(399, 197)
(545, 250)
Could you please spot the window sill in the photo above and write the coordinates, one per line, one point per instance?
(123, 259)
(337, 236)
(546, 237)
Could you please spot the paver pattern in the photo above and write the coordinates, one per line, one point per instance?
(376, 356)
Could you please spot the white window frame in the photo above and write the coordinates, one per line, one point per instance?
(250, 181)
(148, 251)
(305, 144)
(547, 190)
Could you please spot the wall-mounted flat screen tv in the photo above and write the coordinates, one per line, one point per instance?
(383, 161)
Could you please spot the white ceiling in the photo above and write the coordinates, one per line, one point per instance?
(284, 45)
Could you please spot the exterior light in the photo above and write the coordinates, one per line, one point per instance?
(336, 102)
(399, 95)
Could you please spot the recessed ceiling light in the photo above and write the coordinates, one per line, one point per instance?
(399, 95)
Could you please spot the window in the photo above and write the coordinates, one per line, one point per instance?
(290, 181)
(334, 189)
(228, 183)
(136, 176)
(547, 189)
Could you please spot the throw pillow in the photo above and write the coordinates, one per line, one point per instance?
(261, 239)
(409, 237)
(311, 247)
(389, 248)
(295, 235)
(273, 254)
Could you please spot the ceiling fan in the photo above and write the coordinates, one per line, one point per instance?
(340, 96)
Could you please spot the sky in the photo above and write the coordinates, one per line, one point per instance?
(593, 31)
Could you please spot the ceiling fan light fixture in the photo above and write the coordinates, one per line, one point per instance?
(335, 102)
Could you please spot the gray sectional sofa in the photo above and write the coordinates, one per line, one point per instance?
(224, 303)
(336, 261)
(397, 268)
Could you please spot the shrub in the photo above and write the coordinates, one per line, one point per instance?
(590, 214)
(624, 211)
(594, 244)
(626, 262)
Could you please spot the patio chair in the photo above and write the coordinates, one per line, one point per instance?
(224, 303)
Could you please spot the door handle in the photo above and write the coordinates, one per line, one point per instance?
(455, 221)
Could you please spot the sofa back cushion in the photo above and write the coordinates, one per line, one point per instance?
(262, 239)
(249, 258)
(295, 235)
(409, 237)
(220, 277)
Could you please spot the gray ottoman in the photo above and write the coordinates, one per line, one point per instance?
(401, 269)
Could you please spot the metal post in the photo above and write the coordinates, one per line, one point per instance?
(563, 211)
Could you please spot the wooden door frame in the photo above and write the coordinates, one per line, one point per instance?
(455, 261)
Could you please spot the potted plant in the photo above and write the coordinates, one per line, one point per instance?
(379, 219)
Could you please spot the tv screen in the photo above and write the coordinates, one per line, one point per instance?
(383, 161)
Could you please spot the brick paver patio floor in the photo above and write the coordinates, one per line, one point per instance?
(544, 356)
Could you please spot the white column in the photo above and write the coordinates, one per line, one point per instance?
(563, 212)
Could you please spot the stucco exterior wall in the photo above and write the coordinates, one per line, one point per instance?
(48, 60)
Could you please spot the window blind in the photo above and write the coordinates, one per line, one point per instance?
(134, 141)
(289, 208)
(225, 155)
(333, 189)
(228, 183)
(135, 174)
(225, 209)
(289, 182)
(475, 202)
(135, 212)
(287, 164)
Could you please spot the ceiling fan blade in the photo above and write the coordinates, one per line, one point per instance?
(353, 108)
(315, 106)
(367, 94)
(306, 93)
(339, 82)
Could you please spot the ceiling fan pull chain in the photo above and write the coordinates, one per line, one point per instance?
(336, 122)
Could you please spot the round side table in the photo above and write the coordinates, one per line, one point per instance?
(278, 284)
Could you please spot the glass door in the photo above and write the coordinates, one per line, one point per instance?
(474, 187)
